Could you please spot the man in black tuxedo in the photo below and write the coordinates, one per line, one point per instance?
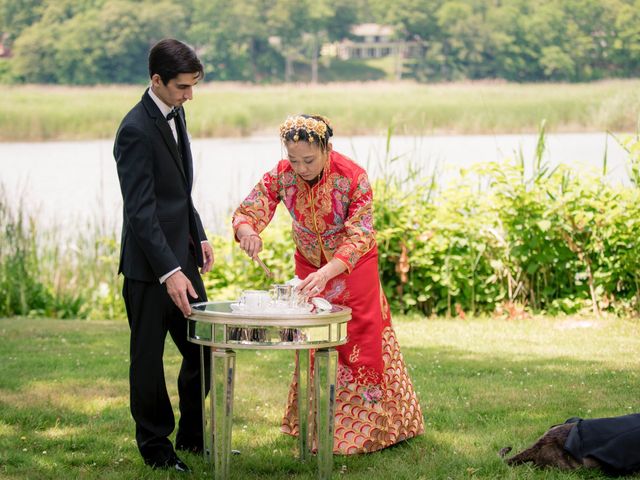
(163, 244)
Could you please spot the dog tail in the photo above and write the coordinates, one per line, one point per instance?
(525, 456)
(522, 457)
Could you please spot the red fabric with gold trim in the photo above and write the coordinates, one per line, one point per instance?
(376, 405)
(333, 218)
(361, 358)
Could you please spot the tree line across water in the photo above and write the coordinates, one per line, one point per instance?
(106, 41)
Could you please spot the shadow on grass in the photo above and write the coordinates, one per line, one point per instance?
(474, 404)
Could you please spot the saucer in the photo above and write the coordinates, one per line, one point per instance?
(321, 304)
(237, 307)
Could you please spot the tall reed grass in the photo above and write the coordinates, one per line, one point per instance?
(500, 236)
(34, 113)
(512, 235)
(56, 273)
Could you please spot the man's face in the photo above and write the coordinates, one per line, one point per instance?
(177, 90)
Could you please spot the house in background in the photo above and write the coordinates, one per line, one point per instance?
(367, 41)
(371, 40)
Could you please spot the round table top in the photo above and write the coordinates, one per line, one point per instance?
(214, 324)
(220, 313)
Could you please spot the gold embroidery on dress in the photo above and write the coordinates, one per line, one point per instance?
(355, 353)
(384, 305)
(317, 229)
(363, 426)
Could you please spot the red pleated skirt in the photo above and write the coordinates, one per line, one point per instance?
(376, 405)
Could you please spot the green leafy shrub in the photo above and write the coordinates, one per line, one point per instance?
(501, 237)
(549, 240)
(21, 291)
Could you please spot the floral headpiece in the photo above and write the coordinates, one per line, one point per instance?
(316, 128)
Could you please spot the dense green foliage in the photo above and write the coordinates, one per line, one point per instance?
(99, 41)
(482, 385)
(510, 236)
(499, 238)
(21, 292)
(56, 273)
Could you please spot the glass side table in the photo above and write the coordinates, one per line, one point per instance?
(215, 325)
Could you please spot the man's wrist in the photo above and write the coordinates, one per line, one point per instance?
(164, 277)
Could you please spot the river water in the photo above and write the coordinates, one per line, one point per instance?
(71, 183)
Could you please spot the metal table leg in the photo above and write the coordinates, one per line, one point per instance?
(217, 433)
(305, 404)
(206, 444)
(315, 402)
(325, 372)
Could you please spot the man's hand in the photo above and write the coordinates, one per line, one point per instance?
(207, 255)
(178, 287)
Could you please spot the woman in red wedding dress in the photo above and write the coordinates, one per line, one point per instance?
(330, 201)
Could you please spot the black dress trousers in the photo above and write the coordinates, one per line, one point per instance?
(152, 314)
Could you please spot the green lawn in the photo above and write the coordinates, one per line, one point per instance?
(40, 112)
(483, 384)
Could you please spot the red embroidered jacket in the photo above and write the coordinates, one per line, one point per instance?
(331, 219)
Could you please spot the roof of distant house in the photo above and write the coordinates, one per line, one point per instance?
(369, 29)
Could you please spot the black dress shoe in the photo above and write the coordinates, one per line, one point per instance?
(180, 466)
(173, 464)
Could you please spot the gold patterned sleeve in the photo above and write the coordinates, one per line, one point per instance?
(359, 233)
(258, 208)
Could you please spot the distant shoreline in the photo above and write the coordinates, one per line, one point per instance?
(43, 112)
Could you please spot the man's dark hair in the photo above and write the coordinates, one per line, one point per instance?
(170, 57)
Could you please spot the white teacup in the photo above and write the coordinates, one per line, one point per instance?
(255, 299)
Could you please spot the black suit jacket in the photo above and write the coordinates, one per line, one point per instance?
(160, 222)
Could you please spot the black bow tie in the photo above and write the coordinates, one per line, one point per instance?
(172, 114)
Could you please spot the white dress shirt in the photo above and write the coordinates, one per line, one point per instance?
(165, 109)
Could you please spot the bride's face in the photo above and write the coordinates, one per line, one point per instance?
(307, 159)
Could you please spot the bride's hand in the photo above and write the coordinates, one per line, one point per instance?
(251, 243)
(314, 284)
